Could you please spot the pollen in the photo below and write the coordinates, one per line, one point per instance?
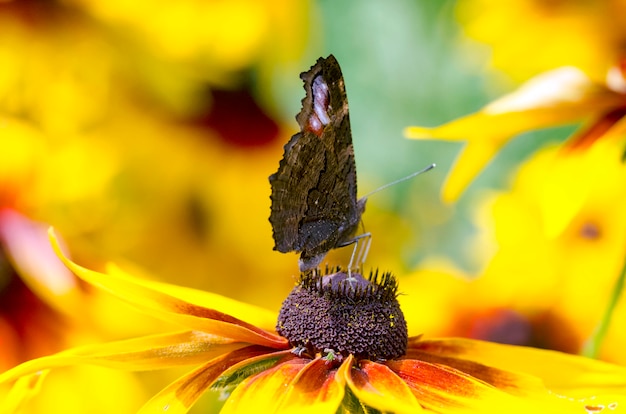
(340, 316)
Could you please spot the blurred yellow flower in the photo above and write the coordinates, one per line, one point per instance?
(547, 271)
(44, 308)
(111, 120)
(210, 40)
(110, 49)
(260, 371)
(558, 235)
(527, 37)
(558, 97)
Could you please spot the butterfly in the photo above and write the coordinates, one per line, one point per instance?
(314, 204)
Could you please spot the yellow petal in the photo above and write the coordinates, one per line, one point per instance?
(316, 389)
(171, 308)
(179, 396)
(27, 246)
(468, 164)
(568, 181)
(236, 374)
(264, 392)
(571, 375)
(554, 98)
(511, 382)
(446, 390)
(150, 352)
(610, 403)
(254, 315)
(24, 388)
(379, 387)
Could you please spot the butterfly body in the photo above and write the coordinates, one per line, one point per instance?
(314, 203)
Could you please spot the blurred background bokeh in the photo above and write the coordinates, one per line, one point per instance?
(145, 132)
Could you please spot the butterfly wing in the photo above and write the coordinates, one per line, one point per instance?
(314, 205)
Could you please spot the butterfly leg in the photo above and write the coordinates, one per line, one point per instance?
(362, 252)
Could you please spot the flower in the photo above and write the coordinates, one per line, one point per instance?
(586, 34)
(259, 370)
(545, 275)
(44, 308)
(540, 287)
(559, 230)
(561, 96)
(169, 59)
(182, 146)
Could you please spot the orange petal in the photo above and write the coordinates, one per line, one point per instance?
(171, 308)
(379, 387)
(264, 392)
(572, 375)
(446, 390)
(514, 383)
(317, 388)
(437, 386)
(179, 396)
(597, 129)
(146, 353)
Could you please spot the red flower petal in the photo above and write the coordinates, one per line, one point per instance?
(586, 137)
(559, 372)
(315, 386)
(264, 392)
(184, 392)
(514, 383)
(379, 387)
(437, 386)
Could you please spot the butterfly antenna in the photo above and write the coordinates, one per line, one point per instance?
(408, 177)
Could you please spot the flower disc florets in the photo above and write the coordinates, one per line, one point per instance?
(332, 315)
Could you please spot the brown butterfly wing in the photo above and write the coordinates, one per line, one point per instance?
(314, 205)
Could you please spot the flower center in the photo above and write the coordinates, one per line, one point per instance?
(328, 315)
(590, 231)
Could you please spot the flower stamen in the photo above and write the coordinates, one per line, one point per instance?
(335, 314)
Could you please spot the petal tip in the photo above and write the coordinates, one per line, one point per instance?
(56, 246)
(417, 133)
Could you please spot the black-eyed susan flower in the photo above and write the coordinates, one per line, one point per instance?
(553, 241)
(44, 308)
(561, 269)
(562, 96)
(563, 210)
(338, 346)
